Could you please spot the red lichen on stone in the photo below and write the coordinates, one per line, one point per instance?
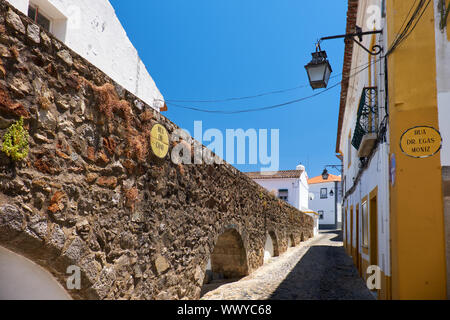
(102, 158)
(42, 166)
(76, 170)
(15, 52)
(138, 147)
(108, 182)
(62, 145)
(51, 70)
(109, 102)
(131, 196)
(110, 145)
(91, 177)
(9, 107)
(181, 169)
(146, 116)
(56, 203)
(91, 153)
(2, 69)
(129, 165)
(73, 81)
(62, 155)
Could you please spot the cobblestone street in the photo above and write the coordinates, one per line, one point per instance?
(317, 269)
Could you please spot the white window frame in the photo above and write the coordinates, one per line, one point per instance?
(36, 7)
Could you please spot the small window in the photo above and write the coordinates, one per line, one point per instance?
(323, 193)
(320, 212)
(283, 194)
(39, 18)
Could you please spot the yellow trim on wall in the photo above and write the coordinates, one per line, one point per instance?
(373, 193)
(373, 226)
(385, 292)
(364, 200)
(351, 228)
(357, 239)
(448, 27)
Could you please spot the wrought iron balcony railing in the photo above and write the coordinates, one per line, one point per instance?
(367, 118)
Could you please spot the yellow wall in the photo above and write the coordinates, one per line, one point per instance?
(417, 229)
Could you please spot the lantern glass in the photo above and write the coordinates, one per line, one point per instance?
(319, 70)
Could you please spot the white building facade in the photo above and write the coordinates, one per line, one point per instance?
(325, 199)
(290, 186)
(396, 175)
(92, 29)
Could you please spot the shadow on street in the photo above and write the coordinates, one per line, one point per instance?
(325, 272)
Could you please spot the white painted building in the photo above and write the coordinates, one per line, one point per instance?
(92, 29)
(291, 186)
(325, 199)
(397, 187)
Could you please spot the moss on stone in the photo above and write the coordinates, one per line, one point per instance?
(15, 141)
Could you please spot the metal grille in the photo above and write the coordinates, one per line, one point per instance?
(367, 120)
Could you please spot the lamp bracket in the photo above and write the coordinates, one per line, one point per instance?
(375, 50)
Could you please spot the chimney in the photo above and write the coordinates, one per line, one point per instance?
(300, 167)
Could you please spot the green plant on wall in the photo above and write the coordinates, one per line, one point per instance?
(15, 141)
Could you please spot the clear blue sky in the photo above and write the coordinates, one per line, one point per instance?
(213, 49)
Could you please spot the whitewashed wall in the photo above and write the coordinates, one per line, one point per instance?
(298, 189)
(443, 85)
(377, 175)
(292, 185)
(326, 205)
(92, 29)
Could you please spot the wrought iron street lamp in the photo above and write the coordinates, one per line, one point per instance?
(319, 69)
(326, 175)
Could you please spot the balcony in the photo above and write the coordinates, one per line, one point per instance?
(366, 129)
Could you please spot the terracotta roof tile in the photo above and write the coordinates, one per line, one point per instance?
(319, 179)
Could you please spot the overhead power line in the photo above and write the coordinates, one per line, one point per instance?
(271, 106)
(401, 37)
(251, 96)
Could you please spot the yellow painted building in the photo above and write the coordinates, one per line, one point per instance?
(393, 122)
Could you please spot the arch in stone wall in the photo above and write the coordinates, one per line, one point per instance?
(271, 248)
(45, 245)
(229, 257)
(291, 241)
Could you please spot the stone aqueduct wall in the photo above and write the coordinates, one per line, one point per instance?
(92, 194)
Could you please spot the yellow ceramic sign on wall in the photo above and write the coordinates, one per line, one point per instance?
(159, 141)
(421, 142)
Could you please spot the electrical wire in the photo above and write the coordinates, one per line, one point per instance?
(253, 96)
(410, 26)
(401, 37)
(272, 106)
